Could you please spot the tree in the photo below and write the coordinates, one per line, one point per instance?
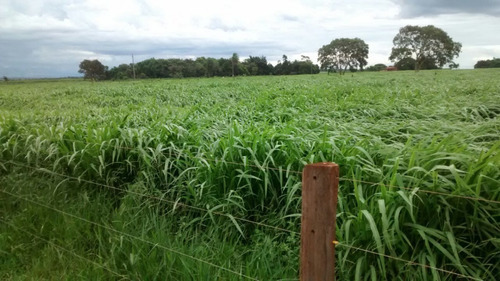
(453, 65)
(307, 60)
(409, 64)
(212, 67)
(286, 67)
(494, 63)
(123, 71)
(342, 54)
(257, 66)
(93, 70)
(235, 60)
(424, 44)
(406, 64)
(377, 67)
(5, 79)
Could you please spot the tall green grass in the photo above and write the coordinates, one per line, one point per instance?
(233, 146)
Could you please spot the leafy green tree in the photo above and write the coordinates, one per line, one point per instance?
(123, 71)
(377, 67)
(235, 60)
(493, 63)
(409, 64)
(424, 44)
(150, 68)
(343, 53)
(93, 70)
(405, 64)
(453, 65)
(212, 67)
(308, 61)
(225, 67)
(286, 66)
(5, 79)
(257, 66)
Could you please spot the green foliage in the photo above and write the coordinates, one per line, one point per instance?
(453, 65)
(493, 63)
(427, 45)
(235, 60)
(406, 64)
(410, 64)
(304, 66)
(209, 67)
(93, 70)
(231, 146)
(342, 54)
(257, 66)
(376, 67)
(121, 72)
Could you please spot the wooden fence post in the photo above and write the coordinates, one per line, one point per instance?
(320, 183)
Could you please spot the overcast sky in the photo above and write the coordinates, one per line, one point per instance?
(49, 38)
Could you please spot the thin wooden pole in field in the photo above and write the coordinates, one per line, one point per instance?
(320, 183)
(133, 65)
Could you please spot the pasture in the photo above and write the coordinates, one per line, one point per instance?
(199, 179)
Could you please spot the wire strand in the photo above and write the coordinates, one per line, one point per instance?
(174, 203)
(130, 236)
(410, 188)
(245, 220)
(220, 267)
(407, 261)
(64, 249)
(180, 154)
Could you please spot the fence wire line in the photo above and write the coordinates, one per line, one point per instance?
(131, 236)
(220, 267)
(174, 203)
(409, 262)
(410, 188)
(182, 153)
(269, 226)
(64, 249)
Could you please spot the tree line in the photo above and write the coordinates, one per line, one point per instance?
(415, 47)
(199, 67)
(493, 63)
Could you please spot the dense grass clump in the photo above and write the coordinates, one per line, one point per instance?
(166, 177)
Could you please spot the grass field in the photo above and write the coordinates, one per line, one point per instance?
(158, 179)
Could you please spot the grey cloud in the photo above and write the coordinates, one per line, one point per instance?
(50, 56)
(50, 8)
(218, 24)
(417, 8)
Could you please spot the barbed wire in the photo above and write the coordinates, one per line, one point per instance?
(406, 261)
(130, 235)
(63, 249)
(174, 203)
(261, 167)
(178, 154)
(410, 188)
(337, 243)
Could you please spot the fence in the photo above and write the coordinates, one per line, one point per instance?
(320, 182)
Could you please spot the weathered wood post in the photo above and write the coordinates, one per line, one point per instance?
(320, 183)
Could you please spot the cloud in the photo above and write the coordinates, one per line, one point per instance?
(50, 37)
(217, 23)
(418, 8)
